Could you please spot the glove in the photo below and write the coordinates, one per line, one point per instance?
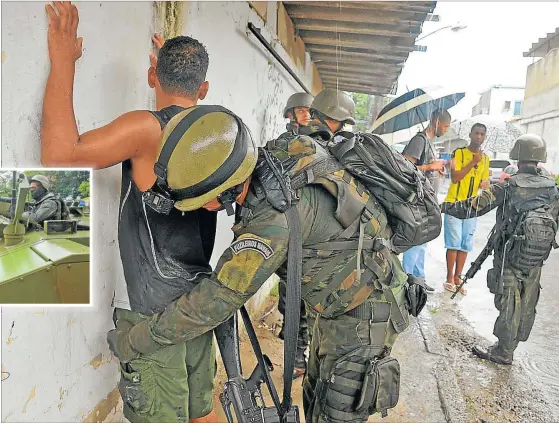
(444, 207)
(119, 342)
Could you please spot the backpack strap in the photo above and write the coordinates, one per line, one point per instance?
(459, 182)
(315, 170)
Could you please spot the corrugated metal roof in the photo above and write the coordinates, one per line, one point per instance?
(544, 45)
(359, 46)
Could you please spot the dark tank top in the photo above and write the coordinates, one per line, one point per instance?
(162, 255)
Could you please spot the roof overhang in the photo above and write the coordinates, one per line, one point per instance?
(544, 45)
(360, 46)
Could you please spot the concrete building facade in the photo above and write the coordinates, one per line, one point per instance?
(500, 101)
(540, 114)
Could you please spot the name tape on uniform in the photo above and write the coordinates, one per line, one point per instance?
(252, 244)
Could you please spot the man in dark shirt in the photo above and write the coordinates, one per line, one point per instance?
(421, 152)
(161, 255)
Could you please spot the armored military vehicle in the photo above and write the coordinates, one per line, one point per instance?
(44, 263)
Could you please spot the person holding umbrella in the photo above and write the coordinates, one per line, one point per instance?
(421, 152)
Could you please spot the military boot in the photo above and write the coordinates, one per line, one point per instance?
(493, 353)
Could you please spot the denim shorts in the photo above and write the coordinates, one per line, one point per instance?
(459, 234)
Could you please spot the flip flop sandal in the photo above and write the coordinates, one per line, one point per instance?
(449, 286)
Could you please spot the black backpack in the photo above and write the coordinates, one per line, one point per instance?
(406, 194)
(534, 233)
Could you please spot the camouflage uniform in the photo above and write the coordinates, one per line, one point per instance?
(47, 208)
(516, 292)
(359, 318)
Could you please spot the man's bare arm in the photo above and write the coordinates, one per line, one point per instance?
(62, 145)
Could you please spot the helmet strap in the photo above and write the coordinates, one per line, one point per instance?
(229, 197)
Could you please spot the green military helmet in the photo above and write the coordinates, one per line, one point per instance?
(335, 104)
(529, 148)
(297, 100)
(205, 151)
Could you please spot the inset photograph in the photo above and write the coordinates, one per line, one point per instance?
(44, 236)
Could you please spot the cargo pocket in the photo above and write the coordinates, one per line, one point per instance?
(137, 386)
(494, 282)
(360, 385)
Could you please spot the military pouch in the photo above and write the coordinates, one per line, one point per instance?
(494, 281)
(380, 389)
(360, 384)
(416, 295)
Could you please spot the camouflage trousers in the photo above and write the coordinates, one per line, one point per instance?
(303, 336)
(516, 297)
(175, 384)
(334, 378)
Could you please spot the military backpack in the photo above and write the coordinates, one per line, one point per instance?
(535, 226)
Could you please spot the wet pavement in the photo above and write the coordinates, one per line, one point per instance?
(536, 360)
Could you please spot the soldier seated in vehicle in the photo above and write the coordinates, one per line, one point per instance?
(47, 206)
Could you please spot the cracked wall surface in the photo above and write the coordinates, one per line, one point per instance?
(55, 362)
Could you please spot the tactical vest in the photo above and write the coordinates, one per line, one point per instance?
(342, 273)
(529, 220)
(59, 209)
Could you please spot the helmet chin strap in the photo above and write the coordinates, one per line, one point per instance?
(320, 117)
(229, 197)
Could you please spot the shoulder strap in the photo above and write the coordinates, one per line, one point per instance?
(293, 302)
(166, 114)
(315, 170)
(424, 153)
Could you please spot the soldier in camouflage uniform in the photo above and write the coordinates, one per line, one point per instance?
(351, 279)
(516, 285)
(46, 206)
(297, 111)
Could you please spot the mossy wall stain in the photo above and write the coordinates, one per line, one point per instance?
(169, 17)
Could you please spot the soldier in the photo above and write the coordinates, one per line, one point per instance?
(359, 315)
(528, 208)
(297, 111)
(46, 206)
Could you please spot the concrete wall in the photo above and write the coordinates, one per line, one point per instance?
(540, 113)
(59, 365)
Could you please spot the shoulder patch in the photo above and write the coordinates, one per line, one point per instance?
(252, 244)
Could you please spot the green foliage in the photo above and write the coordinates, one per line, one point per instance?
(274, 292)
(84, 189)
(362, 102)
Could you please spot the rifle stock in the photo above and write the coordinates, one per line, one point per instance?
(478, 262)
(244, 396)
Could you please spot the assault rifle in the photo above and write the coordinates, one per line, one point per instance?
(244, 396)
(476, 265)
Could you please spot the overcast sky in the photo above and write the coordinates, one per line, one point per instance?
(488, 52)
